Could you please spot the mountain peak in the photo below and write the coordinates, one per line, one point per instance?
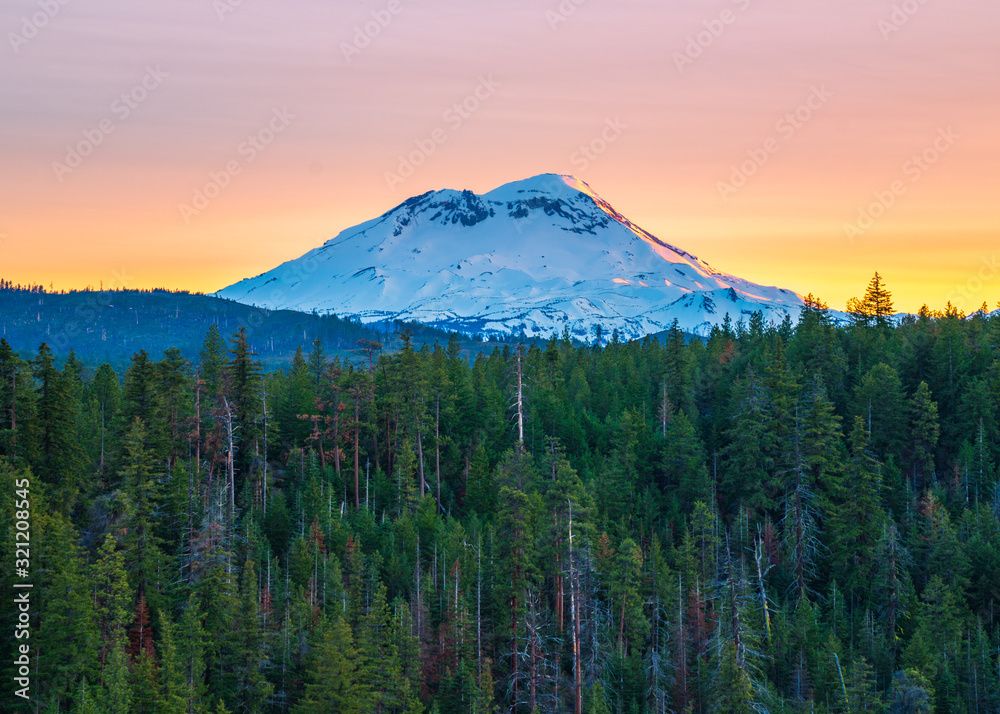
(549, 184)
(536, 256)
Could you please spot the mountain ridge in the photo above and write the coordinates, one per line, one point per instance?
(533, 257)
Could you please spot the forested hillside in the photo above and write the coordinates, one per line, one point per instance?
(780, 518)
(109, 326)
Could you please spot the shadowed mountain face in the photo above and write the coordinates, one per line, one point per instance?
(535, 256)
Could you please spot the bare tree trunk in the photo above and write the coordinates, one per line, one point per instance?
(664, 410)
(531, 628)
(560, 596)
(336, 436)
(318, 436)
(357, 433)
(13, 417)
(479, 604)
(263, 482)
(192, 474)
(737, 629)
(437, 447)
(456, 578)
(513, 653)
(681, 693)
(211, 465)
(621, 628)
(893, 602)
(420, 462)
(419, 619)
(761, 571)
(574, 613)
(231, 481)
(388, 444)
(230, 462)
(197, 420)
(520, 393)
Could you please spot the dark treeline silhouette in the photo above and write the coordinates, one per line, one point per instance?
(109, 326)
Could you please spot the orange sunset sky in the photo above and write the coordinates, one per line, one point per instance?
(798, 143)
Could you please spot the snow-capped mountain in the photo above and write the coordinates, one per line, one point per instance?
(537, 256)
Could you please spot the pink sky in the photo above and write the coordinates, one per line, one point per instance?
(665, 123)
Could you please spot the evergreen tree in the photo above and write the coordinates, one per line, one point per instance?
(144, 684)
(377, 649)
(334, 679)
(862, 689)
(879, 400)
(749, 462)
(172, 378)
(733, 687)
(911, 693)
(213, 361)
(480, 493)
(856, 517)
(935, 646)
(875, 308)
(67, 638)
(597, 699)
(191, 653)
(620, 483)
(924, 433)
(140, 496)
(58, 460)
(819, 444)
(684, 462)
(139, 394)
(317, 363)
(248, 649)
(17, 407)
(170, 695)
(816, 345)
(119, 696)
(112, 600)
(518, 570)
(627, 597)
(88, 699)
(103, 402)
(892, 589)
(243, 385)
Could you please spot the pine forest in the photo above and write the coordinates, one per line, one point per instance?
(794, 517)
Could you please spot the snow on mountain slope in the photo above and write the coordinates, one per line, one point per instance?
(537, 256)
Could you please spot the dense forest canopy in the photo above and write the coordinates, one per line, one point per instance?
(109, 326)
(793, 517)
